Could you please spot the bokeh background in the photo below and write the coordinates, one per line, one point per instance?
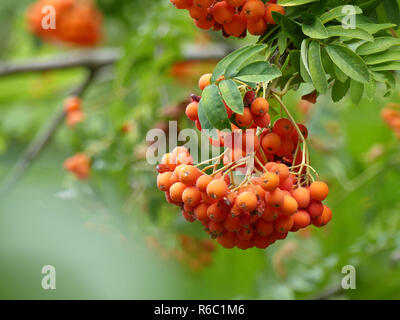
(114, 236)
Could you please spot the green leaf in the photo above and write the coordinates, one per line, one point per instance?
(339, 74)
(392, 10)
(317, 71)
(292, 3)
(282, 42)
(337, 12)
(370, 88)
(214, 109)
(237, 63)
(381, 57)
(231, 95)
(378, 45)
(315, 30)
(258, 72)
(349, 62)
(339, 31)
(340, 89)
(304, 69)
(356, 91)
(387, 66)
(220, 68)
(290, 28)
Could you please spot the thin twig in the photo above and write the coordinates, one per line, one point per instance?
(41, 140)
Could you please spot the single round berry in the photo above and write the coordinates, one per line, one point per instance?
(302, 196)
(269, 181)
(191, 111)
(191, 196)
(259, 107)
(283, 127)
(176, 191)
(319, 190)
(247, 201)
(217, 189)
(245, 119)
(205, 80)
(271, 143)
(254, 9)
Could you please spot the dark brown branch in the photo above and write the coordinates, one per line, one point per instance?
(97, 58)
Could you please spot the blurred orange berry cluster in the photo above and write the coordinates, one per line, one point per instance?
(79, 165)
(73, 111)
(233, 17)
(391, 115)
(77, 22)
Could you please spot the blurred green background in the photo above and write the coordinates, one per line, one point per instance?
(96, 233)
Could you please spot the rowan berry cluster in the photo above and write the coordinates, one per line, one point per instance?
(233, 17)
(193, 252)
(391, 115)
(280, 191)
(79, 165)
(73, 111)
(77, 22)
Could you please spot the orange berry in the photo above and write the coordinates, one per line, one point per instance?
(256, 27)
(254, 9)
(79, 165)
(261, 242)
(281, 170)
(245, 234)
(216, 213)
(236, 3)
(215, 228)
(315, 209)
(263, 121)
(243, 244)
(168, 158)
(184, 158)
(247, 201)
(189, 175)
(191, 196)
(302, 196)
(227, 240)
(178, 150)
(217, 189)
(289, 206)
(319, 190)
(269, 8)
(283, 127)
(275, 198)
(270, 213)
(198, 13)
(287, 148)
(205, 80)
(250, 141)
(191, 111)
(165, 181)
(283, 224)
(222, 12)
(182, 4)
(259, 107)
(232, 224)
(203, 181)
(200, 212)
(176, 191)
(271, 143)
(72, 104)
(236, 27)
(301, 219)
(74, 117)
(206, 23)
(269, 181)
(324, 218)
(203, 3)
(264, 228)
(245, 119)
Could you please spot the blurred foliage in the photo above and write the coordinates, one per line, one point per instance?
(94, 231)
